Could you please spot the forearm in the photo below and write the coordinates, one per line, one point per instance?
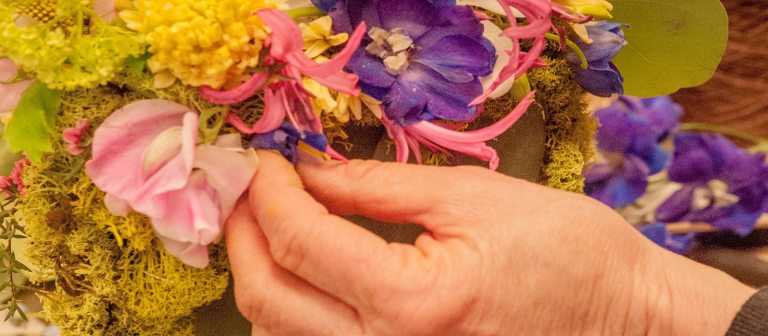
(692, 299)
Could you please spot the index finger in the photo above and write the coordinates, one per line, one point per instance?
(332, 253)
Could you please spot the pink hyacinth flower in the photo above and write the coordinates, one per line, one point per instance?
(146, 158)
(10, 90)
(288, 97)
(73, 136)
(439, 138)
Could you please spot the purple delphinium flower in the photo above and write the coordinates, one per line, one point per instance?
(601, 78)
(657, 232)
(421, 58)
(286, 140)
(628, 141)
(723, 185)
(324, 5)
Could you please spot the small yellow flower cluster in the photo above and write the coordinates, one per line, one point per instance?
(201, 42)
(318, 38)
(341, 105)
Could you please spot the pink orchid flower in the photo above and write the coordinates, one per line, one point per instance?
(146, 158)
(10, 89)
(288, 97)
(439, 138)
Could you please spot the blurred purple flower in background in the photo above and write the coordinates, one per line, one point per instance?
(723, 185)
(601, 78)
(416, 51)
(628, 140)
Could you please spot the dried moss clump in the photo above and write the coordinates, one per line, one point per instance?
(570, 127)
(111, 276)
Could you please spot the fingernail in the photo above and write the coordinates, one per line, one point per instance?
(310, 155)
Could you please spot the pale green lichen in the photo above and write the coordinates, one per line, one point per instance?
(67, 48)
(111, 275)
(570, 127)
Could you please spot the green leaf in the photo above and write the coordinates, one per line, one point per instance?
(32, 123)
(136, 64)
(672, 44)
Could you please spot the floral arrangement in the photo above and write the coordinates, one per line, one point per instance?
(676, 181)
(138, 122)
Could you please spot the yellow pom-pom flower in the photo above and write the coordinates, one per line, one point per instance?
(201, 42)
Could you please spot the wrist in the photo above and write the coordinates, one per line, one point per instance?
(687, 298)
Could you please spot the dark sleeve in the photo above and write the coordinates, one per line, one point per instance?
(752, 319)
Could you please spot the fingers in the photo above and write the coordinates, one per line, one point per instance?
(433, 197)
(274, 300)
(333, 254)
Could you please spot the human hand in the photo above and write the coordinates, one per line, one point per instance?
(501, 256)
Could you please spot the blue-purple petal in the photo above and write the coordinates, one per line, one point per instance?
(370, 69)
(414, 17)
(285, 140)
(602, 82)
(458, 58)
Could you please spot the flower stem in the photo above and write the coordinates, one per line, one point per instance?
(573, 46)
(297, 13)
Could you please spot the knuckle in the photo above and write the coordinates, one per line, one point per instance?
(250, 301)
(289, 249)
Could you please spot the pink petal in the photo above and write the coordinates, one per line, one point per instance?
(105, 9)
(273, 117)
(120, 142)
(8, 70)
(190, 214)
(116, 206)
(228, 170)
(10, 94)
(195, 255)
(286, 44)
(238, 94)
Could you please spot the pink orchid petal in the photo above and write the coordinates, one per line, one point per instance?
(8, 70)
(238, 94)
(10, 94)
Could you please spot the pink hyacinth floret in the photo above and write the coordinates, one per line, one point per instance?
(146, 157)
(73, 136)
